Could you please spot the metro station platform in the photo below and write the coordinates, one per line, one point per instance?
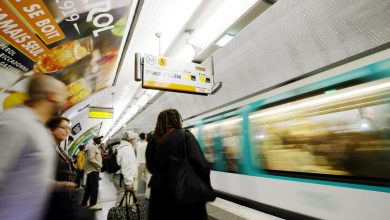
(216, 210)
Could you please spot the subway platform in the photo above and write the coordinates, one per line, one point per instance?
(218, 210)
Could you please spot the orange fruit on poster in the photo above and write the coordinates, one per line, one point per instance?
(14, 99)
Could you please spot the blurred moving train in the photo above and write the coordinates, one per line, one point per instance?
(315, 148)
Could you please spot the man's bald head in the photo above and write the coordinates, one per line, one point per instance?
(43, 87)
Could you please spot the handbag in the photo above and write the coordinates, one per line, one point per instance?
(65, 205)
(189, 187)
(127, 212)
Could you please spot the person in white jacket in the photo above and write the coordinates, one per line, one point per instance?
(124, 180)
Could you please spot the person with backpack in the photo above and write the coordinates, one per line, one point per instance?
(125, 177)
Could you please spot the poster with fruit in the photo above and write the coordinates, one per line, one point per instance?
(78, 42)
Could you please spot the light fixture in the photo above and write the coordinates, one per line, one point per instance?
(170, 18)
(219, 22)
(226, 38)
(126, 117)
(152, 92)
(130, 113)
(143, 100)
(133, 110)
(168, 24)
(186, 54)
(171, 26)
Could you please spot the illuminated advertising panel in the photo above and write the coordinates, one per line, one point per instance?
(175, 75)
(77, 42)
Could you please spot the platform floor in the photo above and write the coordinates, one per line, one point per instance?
(216, 210)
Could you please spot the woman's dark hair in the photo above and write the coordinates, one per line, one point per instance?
(55, 122)
(142, 136)
(82, 147)
(166, 120)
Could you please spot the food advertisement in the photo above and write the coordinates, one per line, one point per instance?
(76, 41)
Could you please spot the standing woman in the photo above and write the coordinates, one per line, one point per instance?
(60, 128)
(170, 144)
(63, 204)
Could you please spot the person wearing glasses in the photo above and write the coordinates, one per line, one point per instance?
(59, 126)
(64, 204)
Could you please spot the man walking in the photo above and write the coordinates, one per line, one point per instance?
(27, 152)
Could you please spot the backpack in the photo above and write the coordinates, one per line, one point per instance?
(109, 163)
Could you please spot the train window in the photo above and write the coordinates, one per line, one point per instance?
(209, 134)
(345, 134)
(194, 131)
(222, 142)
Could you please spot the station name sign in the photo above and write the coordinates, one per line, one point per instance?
(174, 75)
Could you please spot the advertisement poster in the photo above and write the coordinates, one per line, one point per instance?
(84, 138)
(76, 41)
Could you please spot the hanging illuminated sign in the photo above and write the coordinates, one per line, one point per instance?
(174, 75)
(102, 113)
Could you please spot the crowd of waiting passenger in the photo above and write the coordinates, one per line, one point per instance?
(39, 180)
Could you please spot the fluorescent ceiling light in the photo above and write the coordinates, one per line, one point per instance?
(143, 100)
(180, 12)
(127, 116)
(167, 17)
(229, 12)
(186, 54)
(152, 92)
(224, 40)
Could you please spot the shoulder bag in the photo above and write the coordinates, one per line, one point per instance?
(189, 188)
